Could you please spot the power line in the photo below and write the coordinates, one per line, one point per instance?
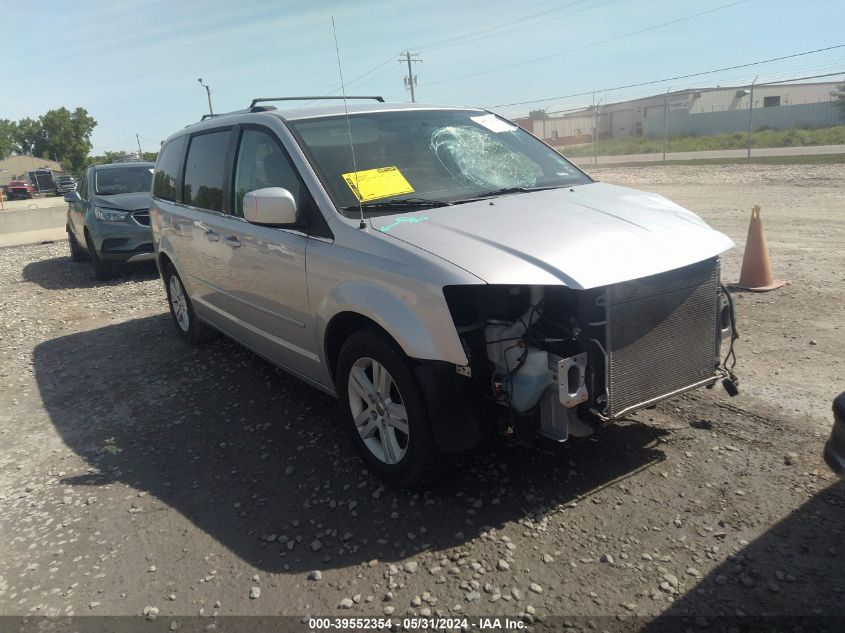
(786, 81)
(725, 82)
(578, 48)
(714, 89)
(481, 34)
(448, 40)
(372, 70)
(474, 36)
(525, 26)
(687, 76)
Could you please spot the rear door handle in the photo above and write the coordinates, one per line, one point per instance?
(232, 241)
(212, 235)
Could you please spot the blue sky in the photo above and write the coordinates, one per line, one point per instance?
(134, 65)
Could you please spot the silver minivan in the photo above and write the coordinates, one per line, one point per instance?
(445, 274)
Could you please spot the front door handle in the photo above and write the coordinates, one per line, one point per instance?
(212, 236)
(232, 241)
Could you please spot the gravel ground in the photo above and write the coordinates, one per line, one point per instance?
(138, 475)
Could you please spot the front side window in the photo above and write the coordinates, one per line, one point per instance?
(428, 157)
(205, 169)
(262, 163)
(83, 186)
(167, 169)
(129, 179)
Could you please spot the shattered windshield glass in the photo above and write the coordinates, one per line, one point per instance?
(427, 158)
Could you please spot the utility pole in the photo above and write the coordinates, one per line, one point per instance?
(208, 94)
(596, 129)
(665, 116)
(750, 110)
(140, 152)
(411, 79)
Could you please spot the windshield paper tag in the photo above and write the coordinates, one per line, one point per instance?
(372, 184)
(493, 123)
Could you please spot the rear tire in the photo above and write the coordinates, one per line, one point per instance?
(101, 270)
(187, 325)
(76, 252)
(384, 409)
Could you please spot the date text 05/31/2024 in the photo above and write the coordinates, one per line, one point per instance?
(435, 624)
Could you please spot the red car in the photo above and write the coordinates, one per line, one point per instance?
(19, 189)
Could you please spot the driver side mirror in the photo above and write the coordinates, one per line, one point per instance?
(72, 196)
(270, 206)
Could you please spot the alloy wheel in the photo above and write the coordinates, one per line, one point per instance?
(179, 303)
(378, 410)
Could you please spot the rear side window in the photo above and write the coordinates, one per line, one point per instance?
(167, 169)
(205, 170)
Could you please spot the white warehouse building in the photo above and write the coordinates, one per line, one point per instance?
(696, 111)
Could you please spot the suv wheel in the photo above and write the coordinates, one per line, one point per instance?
(76, 252)
(182, 310)
(384, 409)
(101, 270)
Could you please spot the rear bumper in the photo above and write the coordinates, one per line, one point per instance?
(834, 450)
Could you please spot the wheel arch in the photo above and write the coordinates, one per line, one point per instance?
(339, 329)
(162, 261)
(355, 305)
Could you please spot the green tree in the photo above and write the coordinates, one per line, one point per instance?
(110, 157)
(8, 140)
(66, 135)
(538, 114)
(30, 136)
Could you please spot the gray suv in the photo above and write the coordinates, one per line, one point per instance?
(64, 184)
(443, 273)
(108, 217)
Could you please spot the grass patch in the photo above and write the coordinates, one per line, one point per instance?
(807, 159)
(793, 137)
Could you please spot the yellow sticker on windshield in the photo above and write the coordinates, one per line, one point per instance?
(372, 184)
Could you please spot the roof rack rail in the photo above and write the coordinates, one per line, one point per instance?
(263, 99)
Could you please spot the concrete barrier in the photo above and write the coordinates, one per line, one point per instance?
(30, 226)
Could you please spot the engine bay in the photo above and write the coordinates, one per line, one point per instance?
(569, 359)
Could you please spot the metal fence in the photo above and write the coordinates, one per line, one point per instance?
(725, 122)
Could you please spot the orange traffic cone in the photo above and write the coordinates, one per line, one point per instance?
(756, 273)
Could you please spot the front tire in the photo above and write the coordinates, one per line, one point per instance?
(76, 252)
(101, 270)
(182, 310)
(384, 409)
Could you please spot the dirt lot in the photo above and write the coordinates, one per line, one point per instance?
(138, 473)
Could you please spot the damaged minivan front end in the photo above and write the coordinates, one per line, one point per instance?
(567, 359)
(599, 300)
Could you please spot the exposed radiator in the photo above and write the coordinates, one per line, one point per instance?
(662, 333)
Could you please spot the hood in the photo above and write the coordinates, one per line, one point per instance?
(582, 237)
(124, 201)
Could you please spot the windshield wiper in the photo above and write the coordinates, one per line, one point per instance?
(407, 203)
(507, 190)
